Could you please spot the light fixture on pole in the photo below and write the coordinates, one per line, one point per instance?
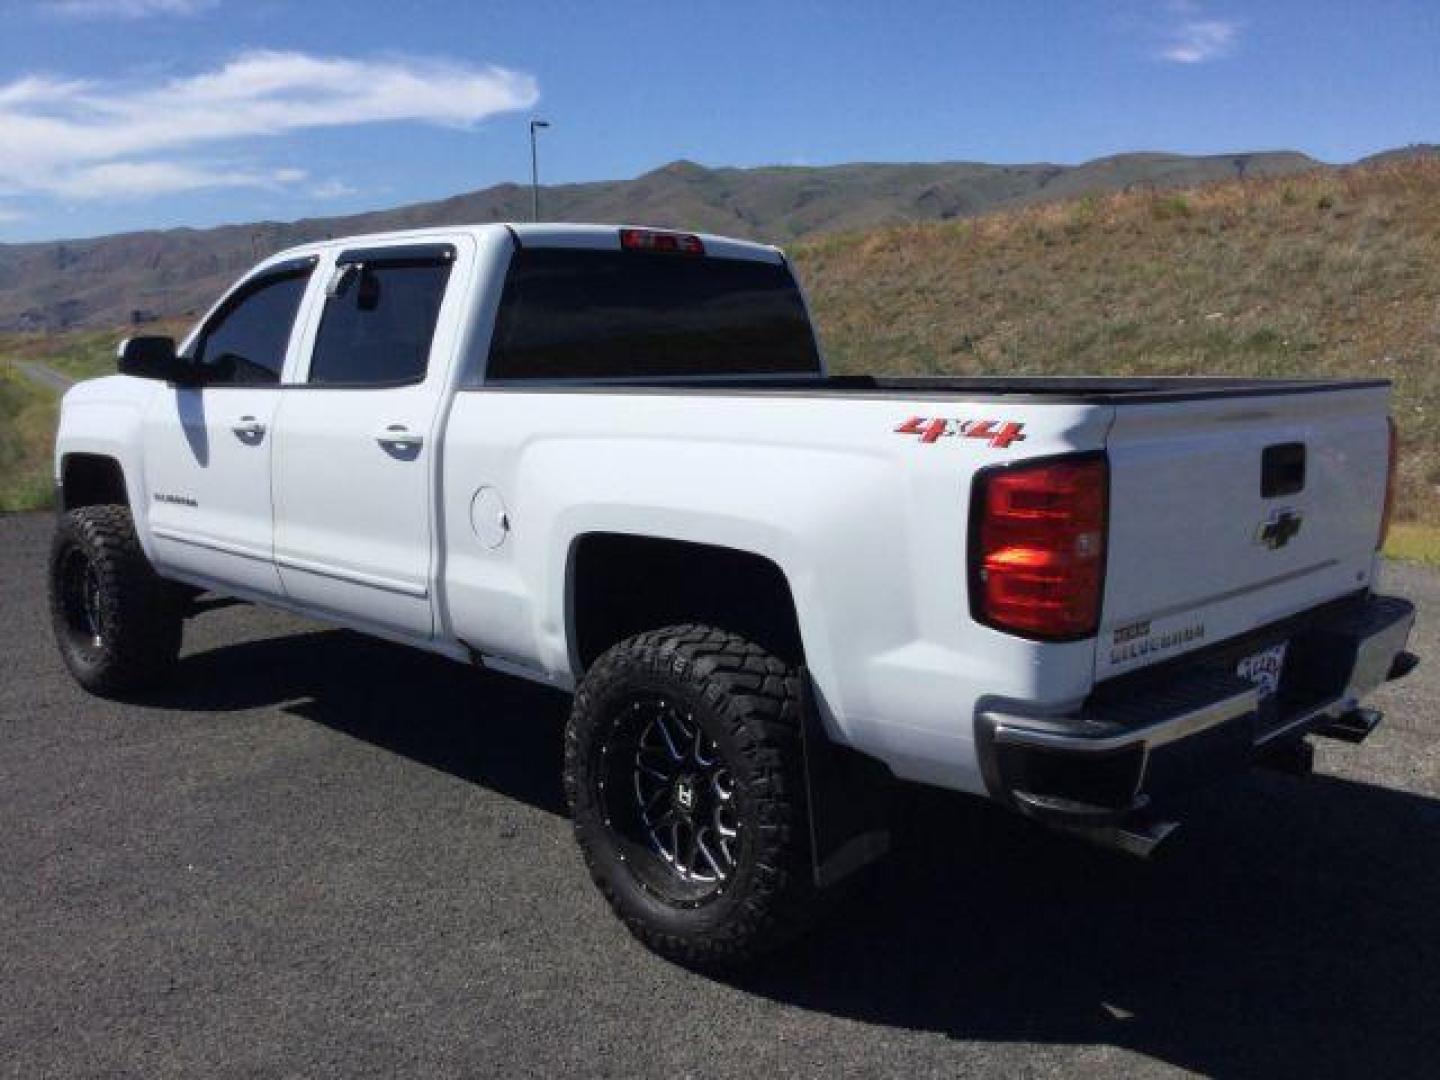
(535, 170)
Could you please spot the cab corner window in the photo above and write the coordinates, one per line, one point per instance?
(378, 324)
(246, 340)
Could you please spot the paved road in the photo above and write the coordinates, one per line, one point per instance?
(318, 855)
(47, 377)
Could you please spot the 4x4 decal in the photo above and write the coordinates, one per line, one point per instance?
(998, 434)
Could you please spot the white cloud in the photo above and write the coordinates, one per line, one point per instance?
(128, 9)
(34, 90)
(1194, 39)
(85, 139)
(333, 189)
(143, 179)
(7, 214)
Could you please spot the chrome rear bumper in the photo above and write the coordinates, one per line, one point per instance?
(1138, 741)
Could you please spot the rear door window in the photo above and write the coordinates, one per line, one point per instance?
(587, 314)
(379, 320)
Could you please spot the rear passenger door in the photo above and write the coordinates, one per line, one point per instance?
(354, 471)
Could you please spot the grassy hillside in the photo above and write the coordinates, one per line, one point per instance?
(80, 354)
(1328, 274)
(1324, 274)
(99, 282)
(27, 426)
(28, 410)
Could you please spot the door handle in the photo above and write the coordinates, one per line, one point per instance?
(247, 427)
(401, 436)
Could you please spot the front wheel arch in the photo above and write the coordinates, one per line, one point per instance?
(91, 480)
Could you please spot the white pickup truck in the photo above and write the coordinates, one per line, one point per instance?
(611, 460)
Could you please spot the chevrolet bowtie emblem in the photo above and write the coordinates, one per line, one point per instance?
(1279, 529)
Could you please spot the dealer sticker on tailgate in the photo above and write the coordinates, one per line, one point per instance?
(1263, 669)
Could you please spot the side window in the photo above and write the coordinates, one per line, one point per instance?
(379, 322)
(245, 342)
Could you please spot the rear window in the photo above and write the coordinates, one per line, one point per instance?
(582, 314)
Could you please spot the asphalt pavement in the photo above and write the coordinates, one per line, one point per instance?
(320, 855)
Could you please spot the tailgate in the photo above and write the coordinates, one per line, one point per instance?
(1228, 513)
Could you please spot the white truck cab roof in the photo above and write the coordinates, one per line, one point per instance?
(597, 236)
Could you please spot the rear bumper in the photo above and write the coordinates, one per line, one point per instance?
(1138, 740)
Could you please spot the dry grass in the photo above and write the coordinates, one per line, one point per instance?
(81, 354)
(28, 411)
(1333, 274)
(27, 431)
(1414, 542)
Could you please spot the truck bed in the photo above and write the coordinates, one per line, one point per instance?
(1087, 389)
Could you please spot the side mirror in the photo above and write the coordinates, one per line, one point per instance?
(150, 358)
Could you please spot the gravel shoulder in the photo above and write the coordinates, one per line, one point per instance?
(47, 377)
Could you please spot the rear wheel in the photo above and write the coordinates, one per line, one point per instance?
(117, 623)
(684, 775)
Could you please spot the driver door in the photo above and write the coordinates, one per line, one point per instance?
(208, 447)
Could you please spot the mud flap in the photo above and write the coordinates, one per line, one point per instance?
(849, 797)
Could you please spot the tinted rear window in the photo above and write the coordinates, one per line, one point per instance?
(377, 329)
(568, 314)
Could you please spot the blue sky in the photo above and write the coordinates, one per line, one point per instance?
(128, 114)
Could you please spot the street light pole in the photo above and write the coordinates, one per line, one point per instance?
(535, 170)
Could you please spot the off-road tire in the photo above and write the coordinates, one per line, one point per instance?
(748, 703)
(140, 616)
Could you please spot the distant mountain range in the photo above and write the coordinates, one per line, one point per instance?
(112, 280)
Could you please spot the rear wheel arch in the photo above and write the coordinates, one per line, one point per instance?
(622, 584)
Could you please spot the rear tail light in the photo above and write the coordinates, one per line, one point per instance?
(1037, 555)
(654, 240)
(1394, 456)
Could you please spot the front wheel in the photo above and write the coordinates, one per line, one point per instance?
(117, 623)
(685, 781)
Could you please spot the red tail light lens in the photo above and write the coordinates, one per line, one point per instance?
(1038, 552)
(652, 240)
(1389, 483)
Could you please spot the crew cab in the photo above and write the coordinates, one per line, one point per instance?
(611, 460)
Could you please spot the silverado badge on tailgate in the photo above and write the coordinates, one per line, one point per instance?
(1279, 529)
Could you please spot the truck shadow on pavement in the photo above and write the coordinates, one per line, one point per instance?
(501, 733)
(1291, 929)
